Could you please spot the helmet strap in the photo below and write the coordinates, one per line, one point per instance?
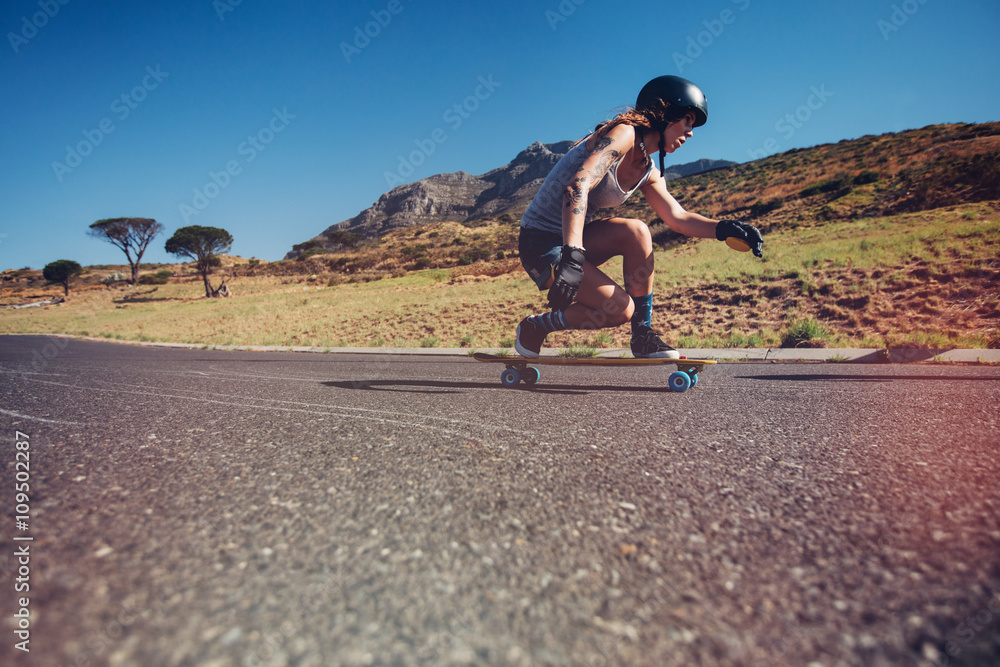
(663, 151)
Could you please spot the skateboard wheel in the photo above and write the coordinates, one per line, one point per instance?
(510, 377)
(694, 378)
(679, 381)
(531, 375)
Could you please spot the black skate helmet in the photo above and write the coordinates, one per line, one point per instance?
(680, 93)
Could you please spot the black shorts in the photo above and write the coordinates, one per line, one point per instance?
(540, 253)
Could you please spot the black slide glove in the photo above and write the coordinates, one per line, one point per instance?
(740, 236)
(568, 274)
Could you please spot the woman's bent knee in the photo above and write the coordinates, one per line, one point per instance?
(613, 312)
(638, 231)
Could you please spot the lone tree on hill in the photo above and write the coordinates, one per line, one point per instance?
(132, 235)
(201, 244)
(61, 271)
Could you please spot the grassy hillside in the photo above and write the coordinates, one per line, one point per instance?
(880, 241)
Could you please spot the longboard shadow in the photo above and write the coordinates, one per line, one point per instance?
(454, 387)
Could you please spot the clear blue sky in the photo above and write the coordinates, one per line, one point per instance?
(275, 120)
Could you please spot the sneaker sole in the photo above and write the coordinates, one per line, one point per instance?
(672, 354)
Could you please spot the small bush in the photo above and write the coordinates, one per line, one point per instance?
(345, 239)
(760, 208)
(472, 256)
(805, 333)
(415, 250)
(578, 352)
(158, 278)
(312, 252)
(829, 185)
(866, 177)
(735, 340)
(602, 339)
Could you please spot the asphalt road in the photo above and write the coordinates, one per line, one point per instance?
(193, 507)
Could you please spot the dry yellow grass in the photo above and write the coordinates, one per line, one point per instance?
(929, 279)
(881, 240)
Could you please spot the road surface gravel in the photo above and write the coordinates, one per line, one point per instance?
(198, 507)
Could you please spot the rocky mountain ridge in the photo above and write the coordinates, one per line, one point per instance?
(461, 197)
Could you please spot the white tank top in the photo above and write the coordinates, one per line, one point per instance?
(545, 211)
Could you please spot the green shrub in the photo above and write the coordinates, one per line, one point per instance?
(158, 278)
(312, 252)
(760, 208)
(866, 177)
(472, 256)
(345, 239)
(578, 352)
(829, 185)
(602, 339)
(475, 224)
(415, 250)
(805, 333)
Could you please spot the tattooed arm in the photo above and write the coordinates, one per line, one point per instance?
(603, 155)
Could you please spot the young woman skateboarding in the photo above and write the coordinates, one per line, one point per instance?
(562, 246)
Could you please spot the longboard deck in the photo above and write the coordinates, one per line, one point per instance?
(588, 361)
(522, 369)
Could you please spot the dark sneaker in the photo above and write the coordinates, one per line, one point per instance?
(530, 337)
(647, 345)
